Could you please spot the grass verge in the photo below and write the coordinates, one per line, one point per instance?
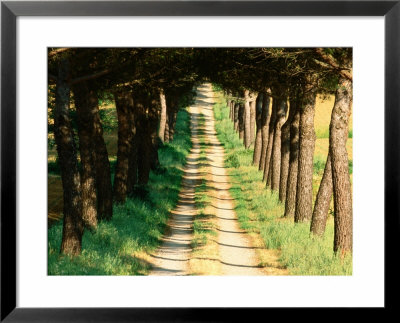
(122, 245)
(260, 212)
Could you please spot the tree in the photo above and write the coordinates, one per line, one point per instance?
(285, 151)
(236, 116)
(252, 116)
(290, 202)
(307, 138)
(124, 105)
(163, 116)
(72, 222)
(276, 149)
(85, 120)
(340, 61)
(265, 120)
(258, 139)
(102, 163)
(247, 120)
(270, 140)
(340, 167)
(324, 196)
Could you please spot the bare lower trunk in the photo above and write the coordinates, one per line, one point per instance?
(324, 196)
(343, 240)
(124, 105)
(146, 136)
(252, 120)
(236, 117)
(276, 149)
(163, 116)
(241, 121)
(152, 131)
(71, 243)
(173, 124)
(304, 195)
(290, 203)
(133, 166)
(270, 141)
(258, 141)
(285, 152)
(265, 118)
(166, 132)
(144, 151)
(102, 163)
(247, 121)
(86, 149)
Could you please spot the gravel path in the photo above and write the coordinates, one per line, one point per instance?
(236, 255)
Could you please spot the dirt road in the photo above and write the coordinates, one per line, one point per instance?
(236, 255)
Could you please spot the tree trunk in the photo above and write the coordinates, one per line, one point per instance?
(232, 110)
(144, 150)
(324, 196)
(236, 116)
(252, 120)
(241, 121)
(265, 119)
(172, 109)
(269, 178)
(163, 116)
(285, 152)
(270, 140)
(343, 240)
(133, 166)
(290, 204)
(86, 148)
(173, 124)
(71, 243)
(102, 163)
(152, 122)
(276, 150)
(124, 104)
(304, 194)
(247, 120)
(132, 159)
(258, 141)
(166, 132)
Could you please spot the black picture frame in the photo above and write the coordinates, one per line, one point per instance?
(10, 10)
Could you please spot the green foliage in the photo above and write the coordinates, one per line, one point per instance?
(116, 246)
(324, 133)
(319, 165)
(109, 119)
(259, 210)
(53, 167)
(351, 133)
